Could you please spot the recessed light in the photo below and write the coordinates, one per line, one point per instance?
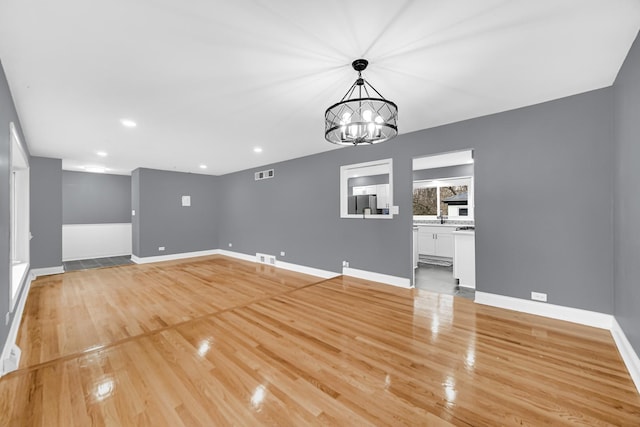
(128, 123)
(203, 166)
(94, 169)
(257, 150)
(101, 153)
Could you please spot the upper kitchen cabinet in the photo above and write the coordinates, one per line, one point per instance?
(366, 190)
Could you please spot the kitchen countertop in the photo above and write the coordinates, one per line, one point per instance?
(464, 232)
(419, 224)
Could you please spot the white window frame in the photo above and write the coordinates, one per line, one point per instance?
(377, 167)
(19, 215)
(446, 182)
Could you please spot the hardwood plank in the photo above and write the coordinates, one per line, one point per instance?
(216, 341)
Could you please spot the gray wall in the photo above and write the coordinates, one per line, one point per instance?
(7, 114)
(528, 163)
(163, 221)
(446, 172)
(46, 212)
(627, 198)
(95, 198)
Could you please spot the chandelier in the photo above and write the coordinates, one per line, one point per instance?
(361, 117)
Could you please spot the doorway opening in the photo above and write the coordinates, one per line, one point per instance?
(443, 223)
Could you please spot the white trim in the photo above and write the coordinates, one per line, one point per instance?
(376, 167)
(15, 323)
(37, 272)
(629, 356)
(575, 315)
(161, 258)
(325, 274)
(237, 255)
(377, 277)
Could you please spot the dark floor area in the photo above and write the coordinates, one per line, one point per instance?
(437, 278)
(86, 264)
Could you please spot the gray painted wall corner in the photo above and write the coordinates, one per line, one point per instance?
(626, 106)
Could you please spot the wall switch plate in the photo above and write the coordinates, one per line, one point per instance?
(186, 200)
(230, 244)
(345, 264)
(395, 210)
(539, 296)
(161, 248)
(282, 253)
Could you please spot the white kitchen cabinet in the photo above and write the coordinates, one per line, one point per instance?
(415, 247)
(382, 193)
(464, 258)
(436, 241)
(364, 190)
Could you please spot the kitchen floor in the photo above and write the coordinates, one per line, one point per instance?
(436, 278)
(86, 264)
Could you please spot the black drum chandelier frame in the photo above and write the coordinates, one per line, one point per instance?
(360, 118)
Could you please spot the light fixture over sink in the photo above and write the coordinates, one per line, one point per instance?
(361, 117)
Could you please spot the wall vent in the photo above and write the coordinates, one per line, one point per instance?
(265, 174)
(266, 259)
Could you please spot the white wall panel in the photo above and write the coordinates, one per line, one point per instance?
(85, 241)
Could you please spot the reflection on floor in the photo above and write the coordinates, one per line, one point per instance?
(436, 278)
(85, 264)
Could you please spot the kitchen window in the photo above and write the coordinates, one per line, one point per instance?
(451, 198)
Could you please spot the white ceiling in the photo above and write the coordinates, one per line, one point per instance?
(207, 81)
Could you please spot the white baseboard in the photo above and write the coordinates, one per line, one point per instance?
(37, 272)
(377, 277)
(630, 357)
(172, 257)
(325, 274)
(575, 315)
(15, 324)
(237, 255)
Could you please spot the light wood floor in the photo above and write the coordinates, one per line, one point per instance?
(215, 341)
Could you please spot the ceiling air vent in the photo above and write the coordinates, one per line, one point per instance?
(266, 174)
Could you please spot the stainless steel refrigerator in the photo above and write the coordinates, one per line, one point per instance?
(357, 204)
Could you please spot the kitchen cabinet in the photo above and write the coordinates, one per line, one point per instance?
(464, 258)
(364, 190)
(382, 191)
(415, 247)
(436, 241)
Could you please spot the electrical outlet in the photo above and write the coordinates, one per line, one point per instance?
(345, 264)
(161, 248)
(539, 296)
(282, 253)
(230, 244)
